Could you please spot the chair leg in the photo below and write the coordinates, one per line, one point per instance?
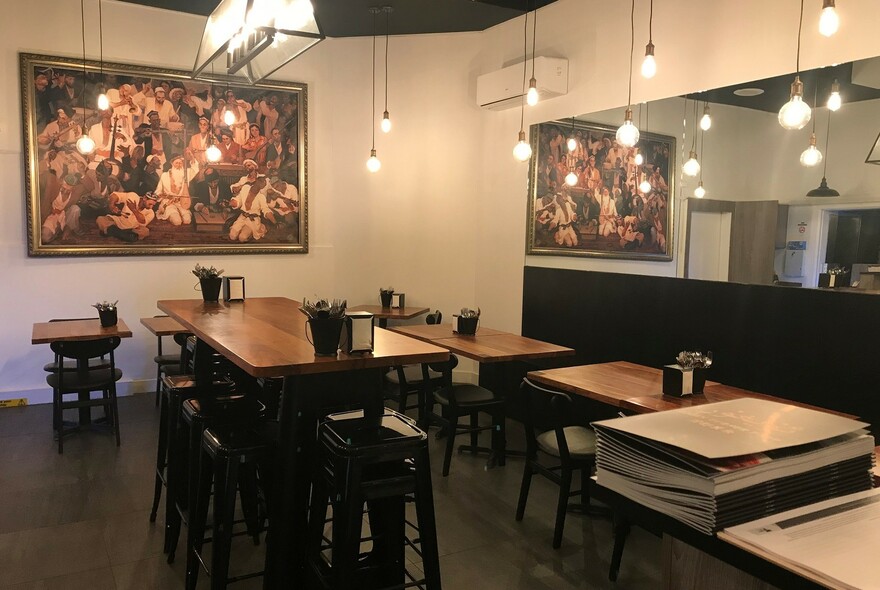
(198, 517)
(586, 472)
(524, 489)
(158, 383)
(247, 489)
(59, 419)
(402, 395)
(499, 435)
(451, 431)
(621, 531)
(161, 456)
(427, 523)
(475, 435)
(225, 478)
(114, 407)
(561, 506)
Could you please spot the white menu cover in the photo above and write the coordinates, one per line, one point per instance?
(737, 427)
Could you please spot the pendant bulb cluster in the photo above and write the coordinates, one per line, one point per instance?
(706, 119)
(834, 100)
(373, 163)
(85, 144)
(795, 114)
(628, 134)
(522, 151)
(692, 166)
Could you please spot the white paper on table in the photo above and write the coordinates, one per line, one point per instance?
(837, 540)
(737, 427)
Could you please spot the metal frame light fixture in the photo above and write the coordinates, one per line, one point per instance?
(258, 36)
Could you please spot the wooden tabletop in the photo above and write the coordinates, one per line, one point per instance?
(487, 345)
(639, 389)
(163, 326)
(392, 313)
(48, 332)
(266, 336)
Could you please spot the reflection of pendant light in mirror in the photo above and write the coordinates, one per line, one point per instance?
(532, 94)
(834, 101)
(571, 143)
(386, 119)
(706, 119)
(644, 186)
(213, 153)
(700, 192)
(229, 116)
(571, 178)
(639, 158)
(795, 114)
(692, 166)
(522, 151)
(628, 134)
(103, 101)
(823, 190)
(812, 156)
(373, 163)
(829, 21)
(85, 144)
(649, 65)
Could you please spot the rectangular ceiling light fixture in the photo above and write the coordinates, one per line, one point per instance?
(257, 36)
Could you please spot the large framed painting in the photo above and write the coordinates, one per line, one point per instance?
(170, 165)
(599, 199)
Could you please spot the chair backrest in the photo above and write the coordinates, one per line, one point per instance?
(554, 407)
(444, 367)
(434, 318)
(83, 350)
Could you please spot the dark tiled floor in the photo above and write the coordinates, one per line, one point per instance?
(80, 520)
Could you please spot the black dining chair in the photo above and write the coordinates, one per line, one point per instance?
(98, 363)
(406, 380)
(464, 399)
(564, 448)
(84, 380)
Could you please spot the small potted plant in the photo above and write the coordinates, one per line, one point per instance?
(688, 375)
(468, 320)
(325, 320)
(107, 313)
(209, 282)
(385, 296)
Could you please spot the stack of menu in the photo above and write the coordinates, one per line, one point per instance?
(717, 465)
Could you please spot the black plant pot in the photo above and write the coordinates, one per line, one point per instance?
(211, 289)
(108, 317)
(325, 335)
(385, 298)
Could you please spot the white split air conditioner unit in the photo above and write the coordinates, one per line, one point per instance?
(503, 89)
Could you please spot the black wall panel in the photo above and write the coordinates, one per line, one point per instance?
(815, 346)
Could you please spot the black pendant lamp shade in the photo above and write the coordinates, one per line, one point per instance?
(823, 190)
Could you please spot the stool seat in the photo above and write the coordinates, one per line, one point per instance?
(350, 433)
(97, 363)
(465, 394)
(242, 444)
(167, 359)
(89, 379)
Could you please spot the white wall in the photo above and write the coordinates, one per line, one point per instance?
(445, 219)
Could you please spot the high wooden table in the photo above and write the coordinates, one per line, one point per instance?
(266, 337)
(48, 332)
(494, 350)
(383, 314)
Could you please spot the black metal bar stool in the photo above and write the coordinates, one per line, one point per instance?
(229, 460)
(379, 461)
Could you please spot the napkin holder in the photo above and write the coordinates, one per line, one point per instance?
(233, 289)
(359, 333)
(679, 381)
(398, 300)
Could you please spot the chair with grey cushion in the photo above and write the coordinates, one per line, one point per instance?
(564, 449)
(405, 380)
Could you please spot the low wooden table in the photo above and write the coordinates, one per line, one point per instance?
(48, 332)
(383, 314)
(266, 337)
(495, 351)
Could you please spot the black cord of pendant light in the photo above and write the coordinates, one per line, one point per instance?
(694, 143)
(387, 27)
(373, 111)
(702, 151)
(101, 39)
(522, 111)
(827, 138)
(534, 36)
(651, 24)
(800, 28)
(632, 46)
(815, 102)
(82, 14)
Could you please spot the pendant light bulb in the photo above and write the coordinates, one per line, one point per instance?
(829, 22)
(85, 145)
(692, 166)
(834, 101)
(572, 144)
(645, 187)
(700, 192)
(811, 156)
(522, 151)
(795, 114)
(229, 117)
(373, 164)
(571, 178)
(639, 159)
(706, 120)
(386, 123)
(213, 154)
(103, 102)
(627, 134)
(532, 94)
(649, 65)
